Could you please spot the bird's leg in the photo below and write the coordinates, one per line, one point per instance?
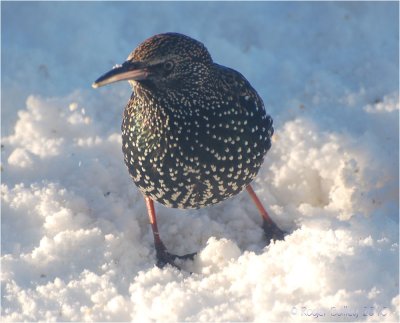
(159, 245)
(163, 256)
(272, 232)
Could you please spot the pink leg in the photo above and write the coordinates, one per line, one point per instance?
(163, 256)
(271, 230)
(258, 204)
(153, 221)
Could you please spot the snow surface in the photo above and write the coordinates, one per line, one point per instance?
(76, 244)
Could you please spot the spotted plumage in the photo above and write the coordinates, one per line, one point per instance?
(194, 132)
(194, 141)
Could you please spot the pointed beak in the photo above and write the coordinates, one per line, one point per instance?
(127, 71)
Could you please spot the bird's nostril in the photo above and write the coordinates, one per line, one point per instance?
(168, 65)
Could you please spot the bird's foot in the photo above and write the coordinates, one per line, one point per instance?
(164, 257)
(272, 232)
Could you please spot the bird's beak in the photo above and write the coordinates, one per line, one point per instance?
(127, 71)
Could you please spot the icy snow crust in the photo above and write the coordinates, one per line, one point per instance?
(76, 244)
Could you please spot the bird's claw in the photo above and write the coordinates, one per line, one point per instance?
(164, 258)
(272, 232)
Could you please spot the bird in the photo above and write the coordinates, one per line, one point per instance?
(194, 132)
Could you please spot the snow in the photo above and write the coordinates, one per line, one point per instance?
(76, 244)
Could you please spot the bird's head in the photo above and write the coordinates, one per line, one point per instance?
(163, 61)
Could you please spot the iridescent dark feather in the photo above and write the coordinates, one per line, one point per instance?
(195, 133)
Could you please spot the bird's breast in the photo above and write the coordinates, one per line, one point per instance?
(197, 155)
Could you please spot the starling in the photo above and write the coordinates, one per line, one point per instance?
(194, 132)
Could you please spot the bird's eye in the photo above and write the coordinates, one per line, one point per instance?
(168, 65)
